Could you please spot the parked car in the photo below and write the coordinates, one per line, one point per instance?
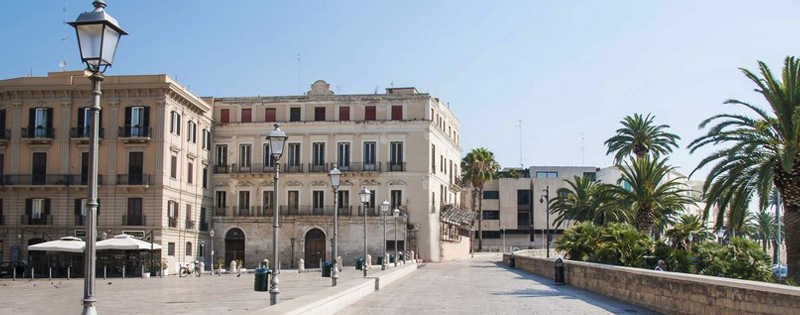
(7, 268)
(779, 271)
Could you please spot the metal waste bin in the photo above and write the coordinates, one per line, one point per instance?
(392, 259)
(559, 276)
(380, 260)
(512, 261)
(261, 280)
(359, 263)
(326, 269)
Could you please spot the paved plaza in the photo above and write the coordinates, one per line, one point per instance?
(483, 285)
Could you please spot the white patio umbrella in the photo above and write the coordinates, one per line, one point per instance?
(67, 244)
(125, 242)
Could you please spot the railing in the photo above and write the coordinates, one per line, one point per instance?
(253, 168)
(82, 179)
(243, 211)
(203, 226)
(83, 133)
(38, 133)
(128, 131)
(220, 210)
(41, 220)
(306, 210)
(190, 224)
(172, 222)
(222, 169)
(360, 167)
(133, 179)
(35, 179)
(293, 168)
(345, 210)
(397, 166)
(80, 219)
(317, 168)
(134, 220)
(5, 134)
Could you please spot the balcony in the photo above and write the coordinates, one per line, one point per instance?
(360, 167)
(38, 134)
(36, 220)
(135, 133)
(82, 133)
(222, 169)
(35, 180)
(80, 220)
(82, 180)
(5, 135)
(306, 210)
(220, 211)
(134, 220)
(172, 222)
(133, 179)
(288, 168)
(317, 168)
(190, 224)
(397, 166)
(253, 168)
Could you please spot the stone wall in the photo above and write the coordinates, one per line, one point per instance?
(669, 292)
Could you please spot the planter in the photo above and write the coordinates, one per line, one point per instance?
(146, 275)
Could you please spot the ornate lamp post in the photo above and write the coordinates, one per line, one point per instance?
(395, 215)
(405, 236)
(211, 234)
(365, 194)
(98, 37)
(543, 198)
(384, 212)
(335, 175)
(277, 138)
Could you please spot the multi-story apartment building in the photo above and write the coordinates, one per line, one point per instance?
(154, 176)
(402, 146)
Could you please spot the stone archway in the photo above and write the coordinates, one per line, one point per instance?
(315, 248)
(234, 245)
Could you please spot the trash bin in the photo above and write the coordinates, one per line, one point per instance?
(559, 276)
(326, 269)
(262, 276)
(380, 260)
(512, 261)
(359, 263)
(391, 258)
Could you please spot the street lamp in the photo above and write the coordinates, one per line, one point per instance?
(504, 238)
(395, 214)
(211, 233)
(384, 212)
(98, 36)
(543, 198)
(335, 175)
(277, 138)
(405, 236)
(365, 194)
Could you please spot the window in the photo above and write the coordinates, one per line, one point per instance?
(293, 202)
(396, 155)
(318, 157)
(319, 113)
(172, 213)
(369, 112)
(491, 215)
(267, 155)
(397, 199)
(433, 159)
(222, 155)
(134, 215)
(191, 132)
(221, 199)
(170, 249)
(491, 194)
(523, 197)
(84, 122)
(269, 115)
(344, 113)
(294, 154)
(40, 123)
(174, 167)
(39, 168)
(244, 202)
(203, 220)
(206, 139)
(205, 177)
(37, 211)
(343, 155)
(344, 199)
(523, 218)
(491, 234)
(563, 193)
(190, 173)
(319, 201)
(244, 155)
(189, 221)
(224, 115)
(294, 114)
(137, 121)
(247, 115)
(592, 176)
(175, 126)
(397, 112)
(80, 211)
(188, 248)
(542, 174)
(268, 200)
(369, 156)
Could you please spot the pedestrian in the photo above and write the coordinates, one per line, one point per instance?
(661, 265)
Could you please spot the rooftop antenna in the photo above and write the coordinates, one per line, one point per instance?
(376, 88)
(521, 164)
(63, 63)
(299, 89)
(391, 84)
(583, 152)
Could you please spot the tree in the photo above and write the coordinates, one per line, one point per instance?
(587, 200)
(763, 150)
(764, 228)
(477, 168)
(689, 230)
(638, 136)
(653, 194)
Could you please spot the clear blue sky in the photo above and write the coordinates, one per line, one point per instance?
(570, 70)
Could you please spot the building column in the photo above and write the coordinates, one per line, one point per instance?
(63, 136)
(16, 135)
(111, 138)
(158, 136)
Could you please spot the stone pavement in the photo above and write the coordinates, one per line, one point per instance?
(226, 294)
(483, 285)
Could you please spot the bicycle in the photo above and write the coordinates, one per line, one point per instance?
(187, 271)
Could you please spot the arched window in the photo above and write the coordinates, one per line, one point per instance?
(188, 248)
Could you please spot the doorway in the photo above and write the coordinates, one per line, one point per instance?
(234, 246)
(315, 248)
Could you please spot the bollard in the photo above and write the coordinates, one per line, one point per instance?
(123, 271)
(69, 268)
(559, 272)
(233, 266)
(32, 272)
(202, 268)
(51, 274)
(15, 274)
(104, 272)
(142, 271)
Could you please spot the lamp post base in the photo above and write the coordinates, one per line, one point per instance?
(88, 307)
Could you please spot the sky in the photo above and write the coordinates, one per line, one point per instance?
(535, 82)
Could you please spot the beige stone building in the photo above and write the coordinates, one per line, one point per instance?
(401, 145)
(154, 179)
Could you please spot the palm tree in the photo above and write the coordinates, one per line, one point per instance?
(764, 227)
(586, 200)
(477, 168)
(690, 229)
(639, 135)
(764, 150)
(652, 194)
